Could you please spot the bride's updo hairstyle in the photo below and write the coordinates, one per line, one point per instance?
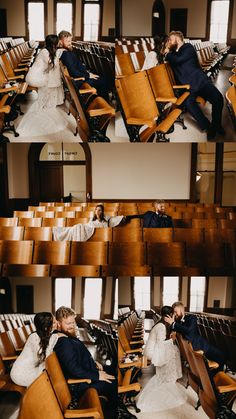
(166, 311)
(43, 324)
(51, 43)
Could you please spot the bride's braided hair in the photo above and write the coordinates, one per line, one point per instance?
(51, 43)
(43, 323)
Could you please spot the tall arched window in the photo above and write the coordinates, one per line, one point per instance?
(197, 293)
(142, 292)
(170, 290)
(93, 298)
(36, 19)
(92, 19)
(64, 12)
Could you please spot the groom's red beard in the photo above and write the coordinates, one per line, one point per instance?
(173, 47)
(70, 333)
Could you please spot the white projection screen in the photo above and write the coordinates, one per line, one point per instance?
(141, 171)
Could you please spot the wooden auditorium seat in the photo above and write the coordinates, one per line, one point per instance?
(11, 233)
(139, 109)
(88, 404)
(131, 234)
(53, 222)
(52, 253)
(166, 257)
(231, 103)
(8, 221)
(38, 233)
(89, 253)
(211, 389)
(158, 235)
(6, 384)
(30, 222)
(102, 235)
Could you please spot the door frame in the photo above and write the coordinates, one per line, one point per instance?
(33, 165)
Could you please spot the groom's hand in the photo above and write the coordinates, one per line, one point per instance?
(169, 319)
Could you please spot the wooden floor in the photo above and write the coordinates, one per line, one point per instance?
(192, 133)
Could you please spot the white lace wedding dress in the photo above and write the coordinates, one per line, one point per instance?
(43, 116)
(162, 392)
(83, 232)
(26, 368)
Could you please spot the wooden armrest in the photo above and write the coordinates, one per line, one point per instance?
(124, 365)
(134, 342)
(84, 91)
(9, 358)
(18, 70)
(212, 364)
(103, 111)
(82, 413)
(140, 121)
(131, 351)
(130, 387)
(181, 86)
(165, 125)
(9, 89)
(199, 352)
(21, 64)
(78, 380)
(77, 78)
(21, 76)
(166, 99)
(5, 109)
(227, 388)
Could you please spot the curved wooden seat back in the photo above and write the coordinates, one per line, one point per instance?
(38, 233)
(132, 254)
(58, 381)
(158, 235)
(138, 109)
(53, 222)
(24, 214)
(160, 82)
(124, 65)
(6, 346)
(30, 222)
(76, 108)
(16, 251)
(89, 253)
(121, 234)
(11, 233)
(165, 255)
(8, 221)
(188, 235)
(102, 235)
(40, 401)
(51, 252)
(72, 221)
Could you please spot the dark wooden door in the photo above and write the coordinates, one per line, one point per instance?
(3, 23)
(158, 18)
(25, 299)
(178, 20)
(51, 182)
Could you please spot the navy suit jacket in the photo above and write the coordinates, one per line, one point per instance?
(186, 67)
(74, 65)
(189, 330)
(75, 359)
(153, 220)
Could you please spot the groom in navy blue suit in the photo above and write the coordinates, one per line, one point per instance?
(186, 325)
(78, 69)
(185, 65)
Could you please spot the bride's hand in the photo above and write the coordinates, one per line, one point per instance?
(169, 319)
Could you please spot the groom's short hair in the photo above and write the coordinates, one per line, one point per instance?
(64, 34)
(64, 312)
(177, 304)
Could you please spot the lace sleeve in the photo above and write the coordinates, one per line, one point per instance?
(162, 351)
(52, 342)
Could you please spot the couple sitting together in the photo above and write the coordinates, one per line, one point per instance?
(44, 116)
(59, 335)
(83, 232)
(162, 392)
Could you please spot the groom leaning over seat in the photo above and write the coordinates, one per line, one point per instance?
(77, 69)
(186, 325)
(154, 219)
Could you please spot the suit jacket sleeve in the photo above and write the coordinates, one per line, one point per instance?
(182, 56)
(70, 361)
(186, 327)
(74, 66)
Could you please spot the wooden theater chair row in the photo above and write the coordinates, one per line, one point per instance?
(212, 390)
(93, 117)
(41, 400)
(231, 103)
(6, 384)
(139, 109)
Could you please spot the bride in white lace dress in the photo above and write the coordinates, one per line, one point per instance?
(162, 392)
(83, 232)
(30, 363)
(44, 117)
